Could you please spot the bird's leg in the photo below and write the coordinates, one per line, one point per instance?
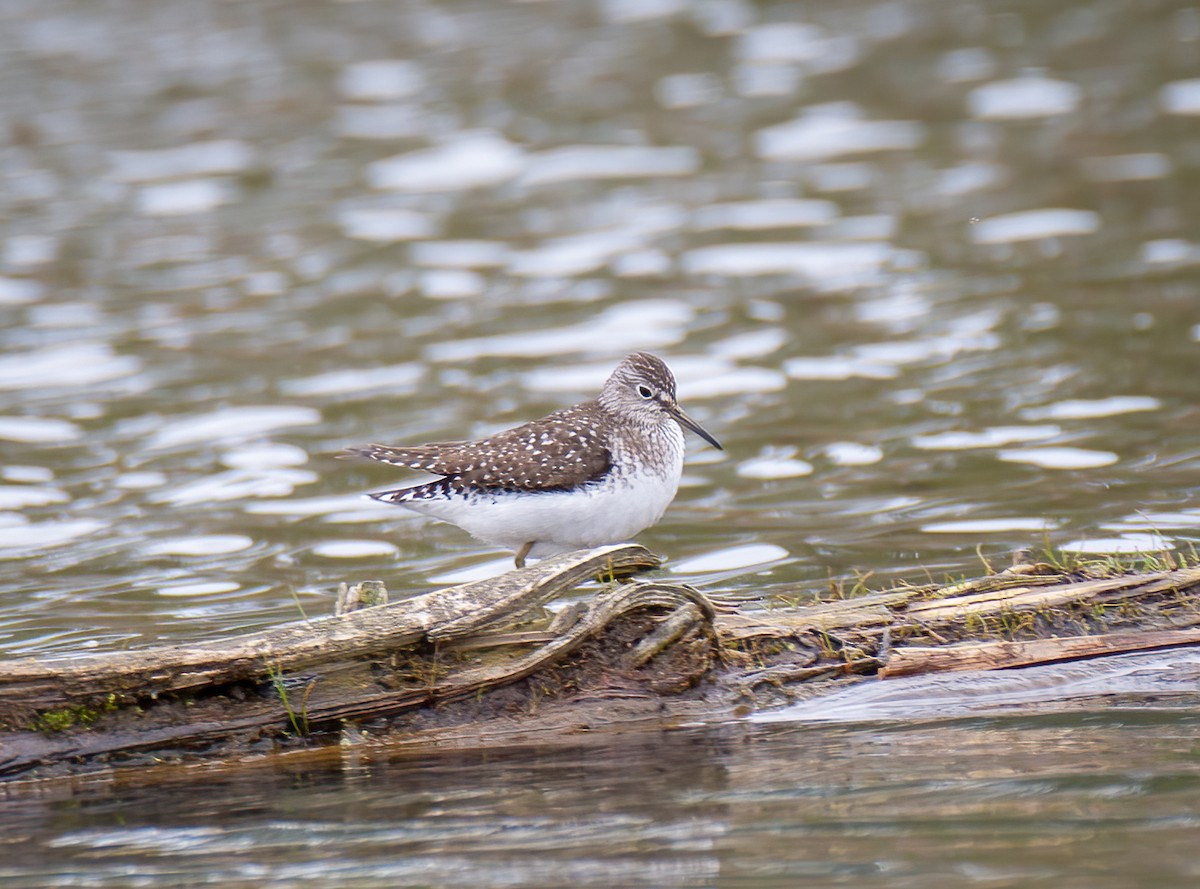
(522, 553)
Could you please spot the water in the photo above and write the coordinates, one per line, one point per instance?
(928, 271)
(1099, 800)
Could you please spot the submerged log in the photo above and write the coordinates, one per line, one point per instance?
(632, 651)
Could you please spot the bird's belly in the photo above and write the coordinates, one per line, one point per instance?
(609, 511)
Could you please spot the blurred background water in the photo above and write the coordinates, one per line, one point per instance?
(928, 270)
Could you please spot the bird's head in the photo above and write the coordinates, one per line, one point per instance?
(643, 387)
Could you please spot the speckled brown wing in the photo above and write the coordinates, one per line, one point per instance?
(561, 450)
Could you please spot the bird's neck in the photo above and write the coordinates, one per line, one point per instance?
(656, 445)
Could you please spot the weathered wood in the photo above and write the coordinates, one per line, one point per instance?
(651, 640)
(326, 688)
(812, 618)
(332, 698)
(35, 684)
(1006, 655)
(367, 594)
(1025, 598)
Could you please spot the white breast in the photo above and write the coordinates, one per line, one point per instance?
(630, 498)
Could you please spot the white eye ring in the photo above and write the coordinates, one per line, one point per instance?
(645, 392)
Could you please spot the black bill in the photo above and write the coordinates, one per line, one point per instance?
(684, 420)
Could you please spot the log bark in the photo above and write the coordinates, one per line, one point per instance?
(1006, 655)
(636, 644)
(1025, 598)
(36, 684)
(312, 676)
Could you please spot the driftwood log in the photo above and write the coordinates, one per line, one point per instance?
(632, 651)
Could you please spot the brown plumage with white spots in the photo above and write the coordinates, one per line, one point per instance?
(587, 475)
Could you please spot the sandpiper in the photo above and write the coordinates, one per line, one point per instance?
(588, 475)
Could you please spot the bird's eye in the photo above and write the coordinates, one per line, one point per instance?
(645, 391)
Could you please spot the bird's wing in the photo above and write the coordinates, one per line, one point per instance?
(561, 450)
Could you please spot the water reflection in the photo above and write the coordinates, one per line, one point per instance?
(1055, 800)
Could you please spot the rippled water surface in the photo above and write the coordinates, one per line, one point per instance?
(930, 271)
(1094, 802)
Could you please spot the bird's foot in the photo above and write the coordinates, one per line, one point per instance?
(519, 558)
